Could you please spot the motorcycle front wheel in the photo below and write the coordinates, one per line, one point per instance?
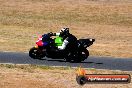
(36, 53)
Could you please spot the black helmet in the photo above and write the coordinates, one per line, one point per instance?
(64, 31)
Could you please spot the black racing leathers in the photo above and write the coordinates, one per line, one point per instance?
(72, 43)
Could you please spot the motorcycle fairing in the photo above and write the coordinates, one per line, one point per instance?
(58, 41)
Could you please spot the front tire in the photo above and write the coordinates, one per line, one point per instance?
(36, 53)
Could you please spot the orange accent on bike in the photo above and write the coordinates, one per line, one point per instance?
(36, 46)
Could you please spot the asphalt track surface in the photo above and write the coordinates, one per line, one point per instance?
(124, 64)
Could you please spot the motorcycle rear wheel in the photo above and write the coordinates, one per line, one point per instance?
(84, 54)
(76, 58)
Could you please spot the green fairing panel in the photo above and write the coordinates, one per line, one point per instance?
(58, 41)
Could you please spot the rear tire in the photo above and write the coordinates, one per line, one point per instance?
(73, 58)
(84, 54)
(76, 58)
(36, 53)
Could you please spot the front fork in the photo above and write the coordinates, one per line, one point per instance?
(40, 49)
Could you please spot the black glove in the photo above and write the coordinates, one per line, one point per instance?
(54, 34)
(50, 34)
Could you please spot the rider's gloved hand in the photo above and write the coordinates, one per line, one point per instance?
(50, 34)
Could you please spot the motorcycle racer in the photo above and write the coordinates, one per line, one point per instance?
(69, 39)
(64, 33)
